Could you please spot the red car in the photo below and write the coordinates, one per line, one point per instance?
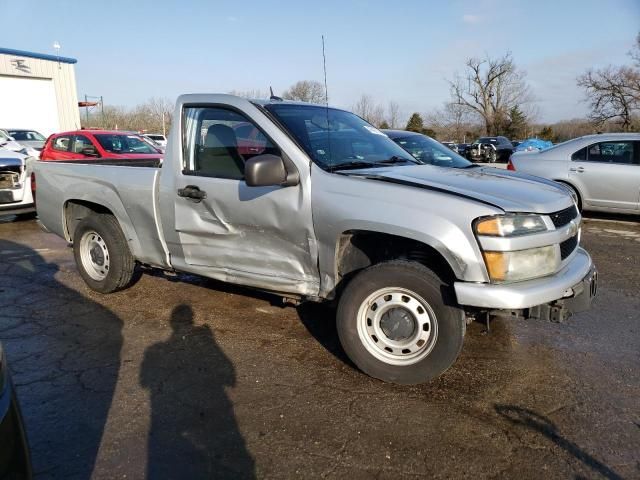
(87, 144)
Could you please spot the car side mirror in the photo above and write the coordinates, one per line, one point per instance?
(265, 170)
(89, 152)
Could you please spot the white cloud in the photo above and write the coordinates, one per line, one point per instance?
(471, 19)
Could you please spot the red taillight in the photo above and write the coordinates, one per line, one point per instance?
(510, 166)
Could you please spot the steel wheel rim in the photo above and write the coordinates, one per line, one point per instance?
(94, 255)
(397, 351)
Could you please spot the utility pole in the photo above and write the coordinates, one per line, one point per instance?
(164, 134)
(86, 109)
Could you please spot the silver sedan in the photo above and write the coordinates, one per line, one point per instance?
(602, 170)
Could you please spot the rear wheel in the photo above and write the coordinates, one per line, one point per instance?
(396, 324)
(102, 253)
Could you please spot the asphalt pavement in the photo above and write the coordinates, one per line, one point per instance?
(181, 377)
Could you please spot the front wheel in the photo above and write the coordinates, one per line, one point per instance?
(398, 322)
(492, 157)
(102, 253)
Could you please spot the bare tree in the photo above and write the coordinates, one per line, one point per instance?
(489, 88)
(145, 117)
(613, 94)
(393, 115)
(306, 91)
(369, 110)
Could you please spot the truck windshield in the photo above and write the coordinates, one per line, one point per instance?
(338, 140)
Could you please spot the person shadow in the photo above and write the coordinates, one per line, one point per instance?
(64, 353)
(193, 432)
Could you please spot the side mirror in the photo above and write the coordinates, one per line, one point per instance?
(264, 171)
(89, 152)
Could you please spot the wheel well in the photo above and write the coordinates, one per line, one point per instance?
(359, 249)
(76, 210)
(575, 189)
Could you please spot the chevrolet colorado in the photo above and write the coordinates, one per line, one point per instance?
(313, 203)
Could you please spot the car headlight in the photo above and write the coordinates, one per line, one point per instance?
(522, 264)
(510, 225)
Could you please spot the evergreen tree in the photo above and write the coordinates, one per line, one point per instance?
(415, 123)
(517, 125)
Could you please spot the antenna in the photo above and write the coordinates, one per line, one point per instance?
(324, 66)
(273, 97)
(326, 101)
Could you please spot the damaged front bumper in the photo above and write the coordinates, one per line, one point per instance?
(570, 290)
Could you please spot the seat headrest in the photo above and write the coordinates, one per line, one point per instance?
(219, 135)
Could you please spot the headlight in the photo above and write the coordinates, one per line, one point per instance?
(522, 264)
(510, 225)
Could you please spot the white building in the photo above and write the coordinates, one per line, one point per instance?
(38, 92)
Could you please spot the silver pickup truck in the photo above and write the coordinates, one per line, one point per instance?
(313, 203)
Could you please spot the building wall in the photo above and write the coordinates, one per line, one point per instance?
(64, 80)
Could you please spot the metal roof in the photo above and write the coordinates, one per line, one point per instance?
(41, 56)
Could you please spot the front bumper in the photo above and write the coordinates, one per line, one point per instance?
(17, 208)
(568, 283)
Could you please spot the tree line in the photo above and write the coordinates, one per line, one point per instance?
(489, 97)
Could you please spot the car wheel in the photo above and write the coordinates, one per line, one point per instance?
(396, 324)
(102, 253)
(492, 156)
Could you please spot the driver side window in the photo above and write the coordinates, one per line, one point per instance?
(217, 142)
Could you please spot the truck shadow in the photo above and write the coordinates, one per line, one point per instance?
(194, 433)
(543, 426)
(64, 352)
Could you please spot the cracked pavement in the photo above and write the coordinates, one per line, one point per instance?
(182, 377)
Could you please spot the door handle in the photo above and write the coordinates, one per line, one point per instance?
(192, 192)
(578, 169)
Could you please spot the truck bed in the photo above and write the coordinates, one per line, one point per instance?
(128, 188)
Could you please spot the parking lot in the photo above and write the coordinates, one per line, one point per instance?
(180, 377)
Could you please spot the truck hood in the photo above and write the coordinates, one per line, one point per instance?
(509, 191)
(11, 159)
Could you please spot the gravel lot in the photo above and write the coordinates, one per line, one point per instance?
(180, 377)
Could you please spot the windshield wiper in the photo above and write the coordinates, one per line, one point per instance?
(354, 164)
(396, 159)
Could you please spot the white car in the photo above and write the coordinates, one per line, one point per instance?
(16, 196)
(602, 171)
(158, 138)
(9, 143)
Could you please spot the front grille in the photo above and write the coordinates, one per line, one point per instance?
(563, 217)
(568, 246)
(9, 179)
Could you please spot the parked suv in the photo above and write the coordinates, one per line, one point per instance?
(92, 144)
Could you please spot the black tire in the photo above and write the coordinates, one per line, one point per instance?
(121, 264)
(492, 156)
(418, 280)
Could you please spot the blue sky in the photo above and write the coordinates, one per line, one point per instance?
(399, 51)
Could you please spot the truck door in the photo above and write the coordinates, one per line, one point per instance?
(224, 229)
(607, 174)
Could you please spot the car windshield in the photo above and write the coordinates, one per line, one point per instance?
(118, 143)
(336, 139)
(429, 151)
(26, 135)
